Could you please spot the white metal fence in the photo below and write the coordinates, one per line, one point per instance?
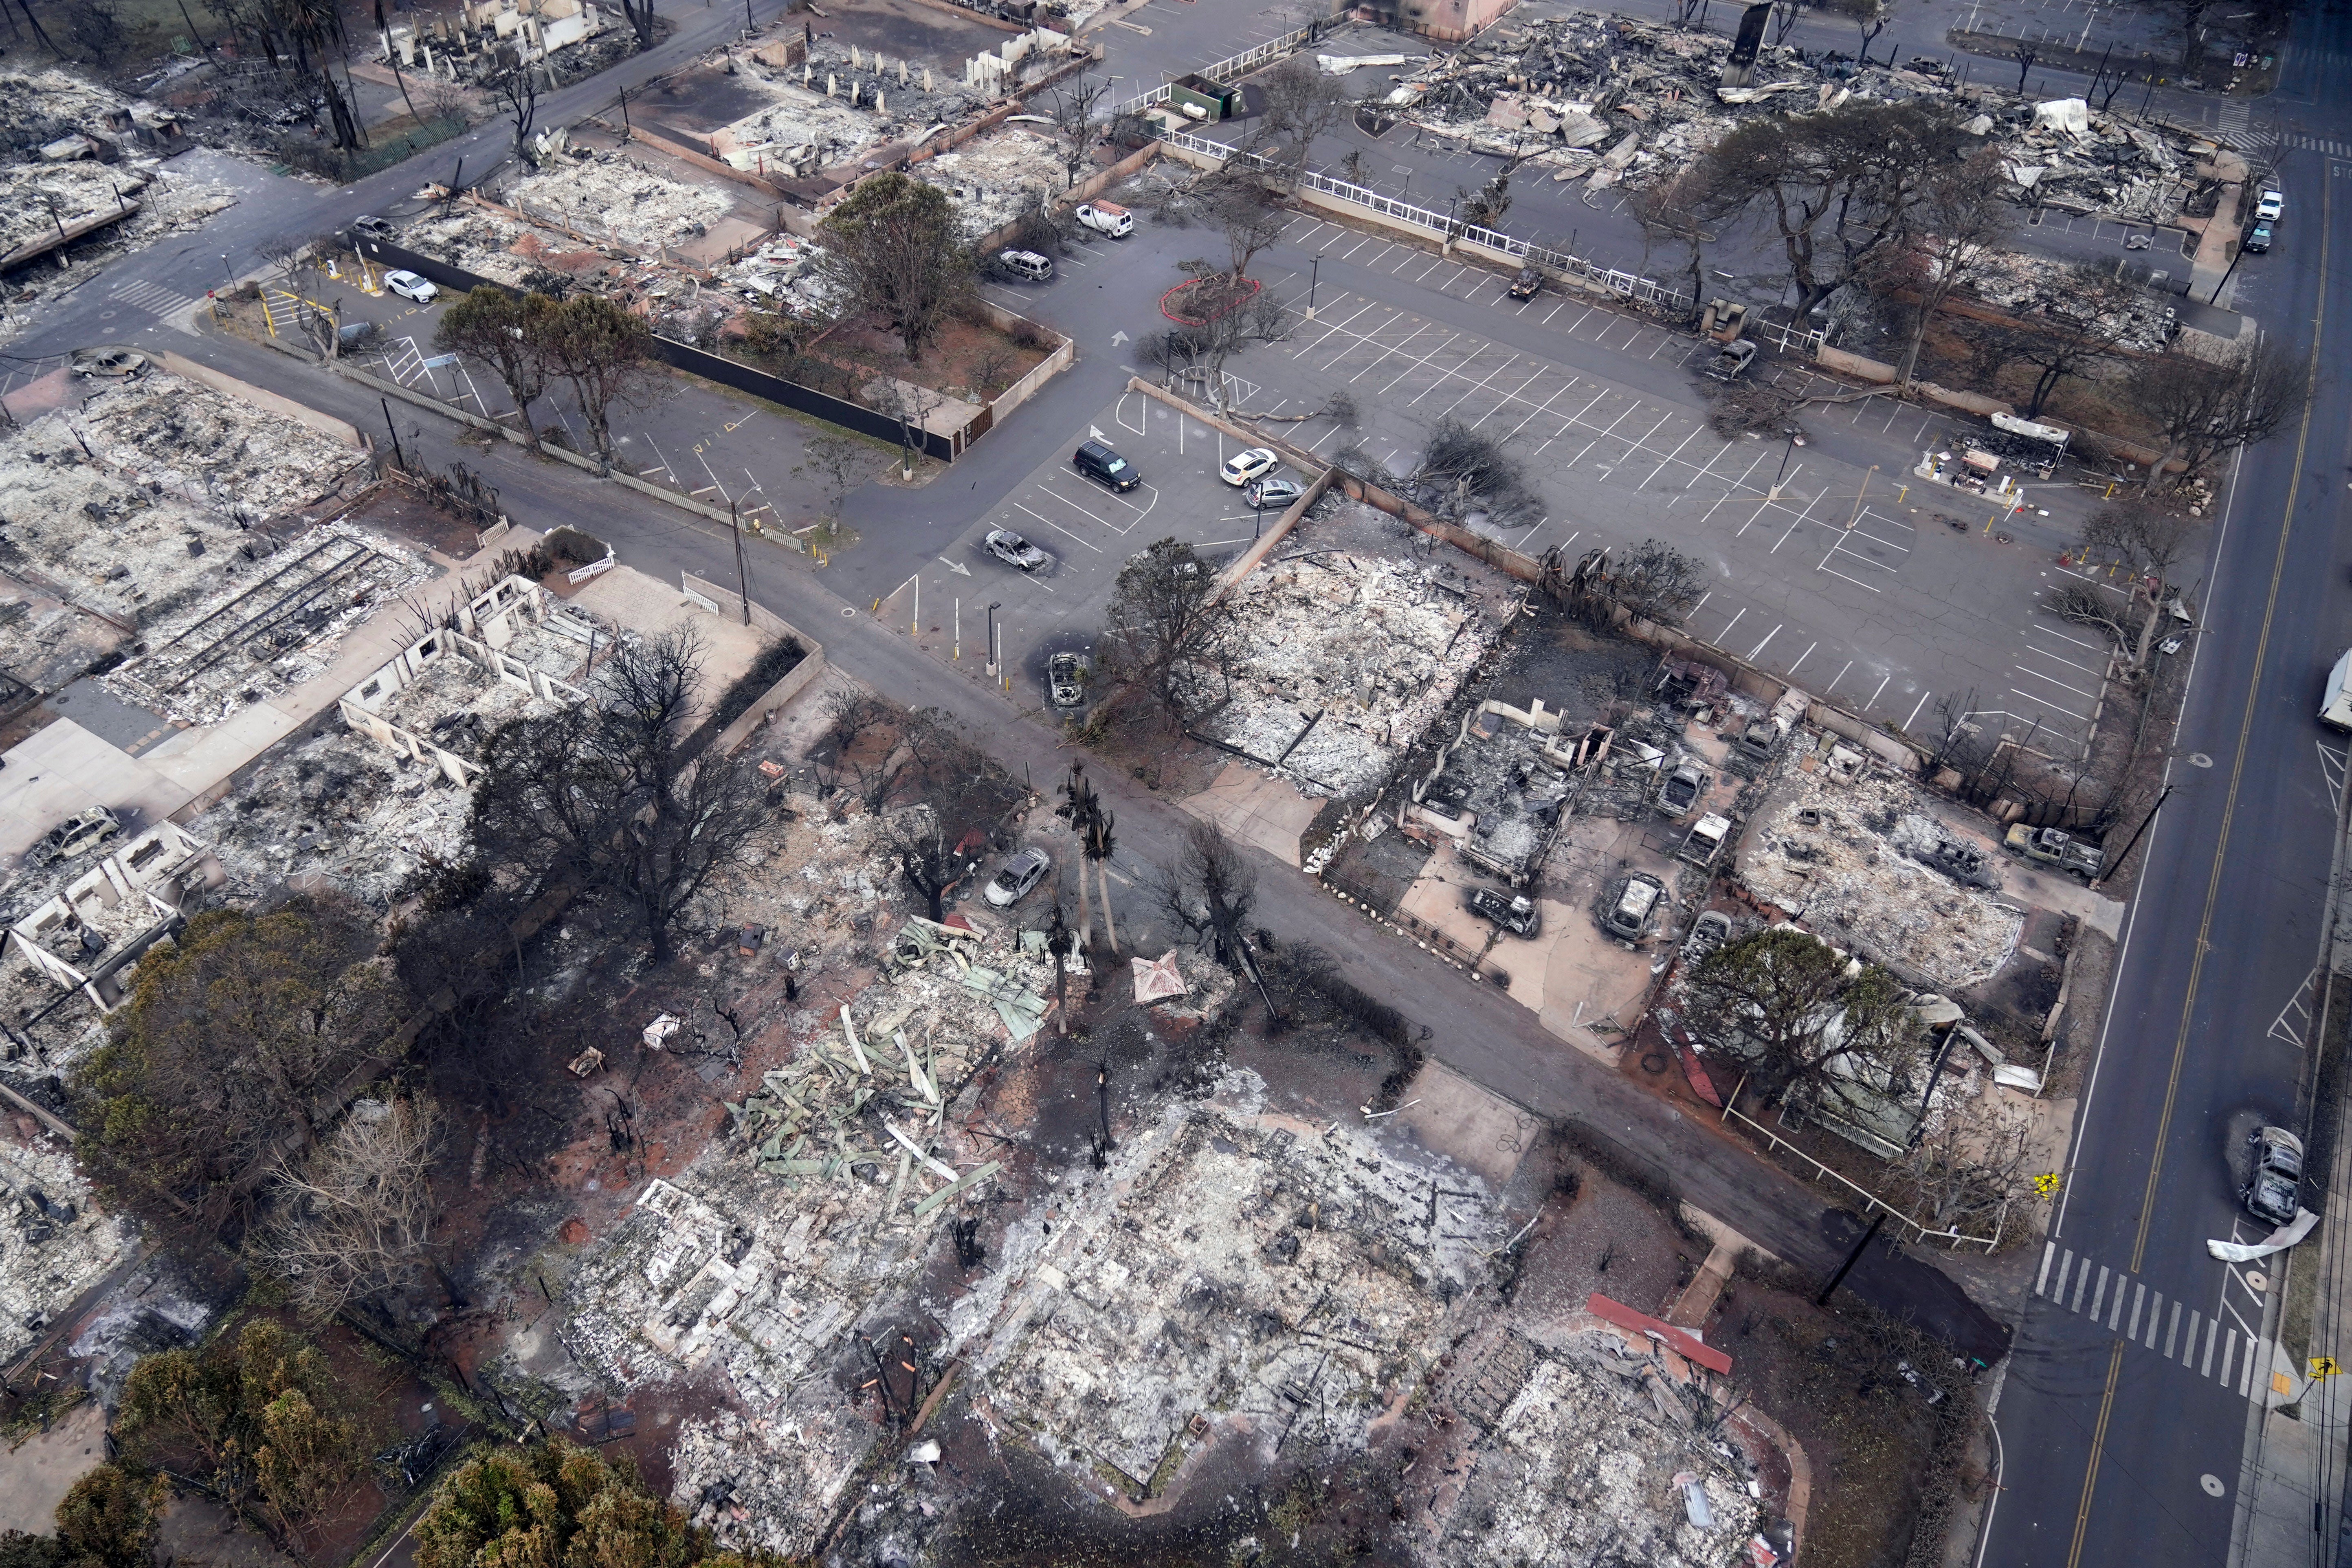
(1445, 226)
(1227, 72)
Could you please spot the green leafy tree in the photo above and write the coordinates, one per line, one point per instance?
(558, 1505)
(251, 1415)
(1789, 1007)
(109, 1518)
(600, 347)
(507, 333)
(1165, 614)
(242, 1040)
(892, 248)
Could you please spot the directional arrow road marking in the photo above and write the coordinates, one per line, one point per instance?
(958, 567)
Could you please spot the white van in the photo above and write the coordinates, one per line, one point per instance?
(1106, 218)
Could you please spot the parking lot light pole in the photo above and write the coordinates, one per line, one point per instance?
(1315, 273)
(1774, 494)
(992, 608)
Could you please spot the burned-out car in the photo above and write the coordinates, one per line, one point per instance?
(1517, 915)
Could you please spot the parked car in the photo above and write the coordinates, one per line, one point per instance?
(2049, 847)
(77, 835)
(1243, 466)
(1517, 915)
(2257, 239)
(1025, 265)
(1709, 931)
(1279, 494)
(1106, 218)
(1100, 464)
(1629, 917)
(1017, 552)
(2273, 1189)
(409, 286)
(375, 227)
(1527, 284)
(1019, 874)
(2271, 208)
(1680, 789)
(1706, 839)
(1065, 680)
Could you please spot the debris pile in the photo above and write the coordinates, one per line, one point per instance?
(615, 196)
(1231, 1266)
(74, 159)
(1613, 99)
(1854, 854)
(1612, 1449)
(338, 808)
(486, 244)
(54, 1243)
(138, 504)
(783, 275)
(1334, 663)
(2026, 285)
(992, 177)
(835, 106)
(490, 39)
(274, 618)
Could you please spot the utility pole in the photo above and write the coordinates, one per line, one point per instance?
(1851, 1259)
(397, 454)
(743, 572)
(1314, 274)
(2129, 844)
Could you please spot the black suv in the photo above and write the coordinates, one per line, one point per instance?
(1103, 466)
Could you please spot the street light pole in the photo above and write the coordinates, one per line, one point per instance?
(992, 608)
(1314, 275)
(1774, 494)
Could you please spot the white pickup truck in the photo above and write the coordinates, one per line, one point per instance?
(1106, 218)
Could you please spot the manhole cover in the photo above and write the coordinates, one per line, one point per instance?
(2199, 760)
(2213, 1485)
(847, 611)
(1654, 1062)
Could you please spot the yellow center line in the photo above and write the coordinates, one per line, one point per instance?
(2098, 1442)
(2213, 881)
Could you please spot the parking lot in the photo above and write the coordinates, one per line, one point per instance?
(1857, 581)
(1088, 530)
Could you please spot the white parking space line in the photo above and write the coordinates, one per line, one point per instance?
(1419, 363)
(2054, 680)
(1517, 393)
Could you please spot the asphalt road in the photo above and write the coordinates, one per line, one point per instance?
(2124, 1447)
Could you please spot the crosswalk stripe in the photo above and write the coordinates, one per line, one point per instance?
(2139, 1295)
(2155, 1312)
(2229, 1356)
(2212, 1327)
(2048, 1250)
(2099, 1296)
(2174, 1332)
(2082, 1281)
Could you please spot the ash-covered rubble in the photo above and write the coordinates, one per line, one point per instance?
(1234, 1265)
(613, 196)
(1857, 854)
(992, 177)
(139, 504)
(338, 809)
(1600, 1452)
(55, 1242)
(72, 153)
(830, 106)
(1334, 663)
(274, 618)
(810, 1224)
(1618, 99)
(2026, 285)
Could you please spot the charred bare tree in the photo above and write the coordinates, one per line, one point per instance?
(615, 794)
(1208, 893)
(1073, 117)
(2203, 408)
(1838, 188)
(349, 1219)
